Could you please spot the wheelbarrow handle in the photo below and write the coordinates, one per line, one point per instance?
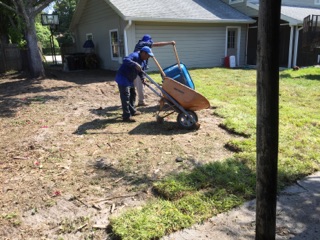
(160, 68)
(177, 57)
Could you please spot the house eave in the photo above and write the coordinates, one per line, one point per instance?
(175, 20)
(291, 21)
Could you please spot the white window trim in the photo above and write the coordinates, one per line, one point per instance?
(236, 1)
(316, 2)
(88, 35)
(112, 57)
(238, 42)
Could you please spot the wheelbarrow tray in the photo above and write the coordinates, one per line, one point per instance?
(188, 98)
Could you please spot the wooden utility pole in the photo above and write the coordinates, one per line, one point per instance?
(267, 117)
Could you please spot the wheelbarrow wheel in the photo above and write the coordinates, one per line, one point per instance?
(187, 122)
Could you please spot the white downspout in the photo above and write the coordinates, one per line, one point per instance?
(246, 56)
(290, 47)
(296, 46)
(238, 46)
(126, 51)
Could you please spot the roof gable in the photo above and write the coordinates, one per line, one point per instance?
(178, 10)
(171, 11)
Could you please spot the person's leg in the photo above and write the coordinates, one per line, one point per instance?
(138, 84)
(132, 100)
(125, 101)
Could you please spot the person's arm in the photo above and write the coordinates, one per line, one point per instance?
(132, 61)
(129, 63)
(161, 44)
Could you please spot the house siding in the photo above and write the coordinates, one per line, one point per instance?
(98, 19)
(197, 45)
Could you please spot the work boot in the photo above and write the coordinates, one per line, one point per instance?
(129, 119)
(136, 113)
(142, 104)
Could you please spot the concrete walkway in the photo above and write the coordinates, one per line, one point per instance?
(298, 217)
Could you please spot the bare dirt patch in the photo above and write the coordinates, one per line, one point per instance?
(68, 162)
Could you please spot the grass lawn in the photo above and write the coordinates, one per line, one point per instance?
(194, 196)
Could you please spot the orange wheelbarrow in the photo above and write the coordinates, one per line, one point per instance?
(177, 97)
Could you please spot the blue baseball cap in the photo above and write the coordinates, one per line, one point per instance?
(146, 38)
(147, 50)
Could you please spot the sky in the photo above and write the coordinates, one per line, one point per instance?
(49, 9)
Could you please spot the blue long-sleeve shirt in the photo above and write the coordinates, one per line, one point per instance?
(142, 44)
(127, 71)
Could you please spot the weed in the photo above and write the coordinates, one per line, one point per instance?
(13, 218)
(71, 225)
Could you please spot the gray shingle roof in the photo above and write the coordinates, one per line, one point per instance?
(178, 10)
(298, 13)
(293, 14)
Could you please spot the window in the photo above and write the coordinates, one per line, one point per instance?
(114, 44)
(235, 1)
(317, 2)
(231, 39)
(89, 36)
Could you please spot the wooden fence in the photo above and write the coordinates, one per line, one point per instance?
(13, 58)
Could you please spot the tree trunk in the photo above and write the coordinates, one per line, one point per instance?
(28, 11)
(267, 118)
(35, 61)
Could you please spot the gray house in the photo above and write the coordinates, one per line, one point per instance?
(205, 31)
(293, 13)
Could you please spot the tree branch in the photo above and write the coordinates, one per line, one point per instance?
(22, 9)
(40, 5)
(7, 7)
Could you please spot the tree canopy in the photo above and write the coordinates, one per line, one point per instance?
(26, 11)
(65, 10)
(11, 26)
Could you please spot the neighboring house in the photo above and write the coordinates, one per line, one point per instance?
(205, 31)
(293, 13)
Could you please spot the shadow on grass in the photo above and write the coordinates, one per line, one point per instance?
(187, 198)
(108, 170)
(18, 83)
(9, 105)
(81, 77)
(113, 114)
(315, 77)
(231, 175)
(155, 128)
(95, 125)
(112, 111)
(15, 84)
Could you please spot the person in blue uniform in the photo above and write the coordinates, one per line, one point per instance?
(146, 40)
(131, 67)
